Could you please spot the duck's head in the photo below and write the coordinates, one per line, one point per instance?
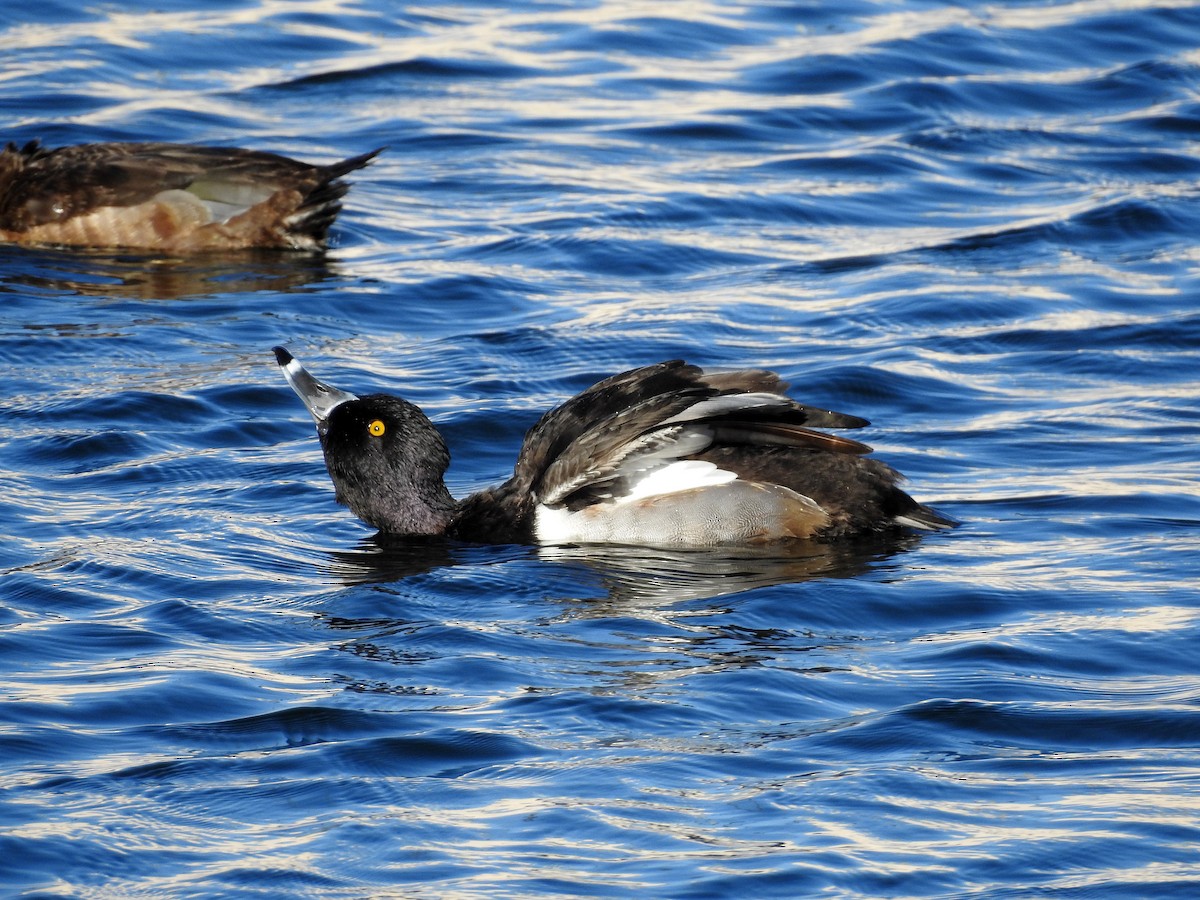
(384, 456)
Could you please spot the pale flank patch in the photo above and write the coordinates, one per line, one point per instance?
(558, 525)
(690, 503)
(684, 475)
(187, 210)
(226, 199)
(631, 517)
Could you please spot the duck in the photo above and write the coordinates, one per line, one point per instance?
(666, 455)
(174, 198)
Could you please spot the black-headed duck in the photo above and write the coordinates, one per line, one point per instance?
(666, 455)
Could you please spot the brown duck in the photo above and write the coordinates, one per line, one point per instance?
(168, 197)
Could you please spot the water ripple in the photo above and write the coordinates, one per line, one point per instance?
(972, 224)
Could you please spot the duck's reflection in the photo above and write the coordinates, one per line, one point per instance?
(383, 559)
(642, 575)
(154, 277)
(627, 573)
(684, 593)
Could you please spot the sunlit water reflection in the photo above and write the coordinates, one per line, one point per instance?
(973, 225)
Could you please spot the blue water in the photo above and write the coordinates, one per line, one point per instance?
(975, 224)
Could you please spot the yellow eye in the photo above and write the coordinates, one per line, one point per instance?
(376, 427)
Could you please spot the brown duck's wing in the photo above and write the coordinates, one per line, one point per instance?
(598, 444)
(40, 186)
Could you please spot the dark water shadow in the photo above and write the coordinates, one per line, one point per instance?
(685, 592)
(631, 574)
(144, 276)
(650, 576)
(381, 559)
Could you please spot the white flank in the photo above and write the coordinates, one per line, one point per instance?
(684, 475)
(622, 520)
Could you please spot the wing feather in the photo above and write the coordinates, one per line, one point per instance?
(598, 445)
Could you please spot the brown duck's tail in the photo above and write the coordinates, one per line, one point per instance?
(320, 207)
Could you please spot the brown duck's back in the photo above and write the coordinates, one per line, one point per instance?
(167, 197)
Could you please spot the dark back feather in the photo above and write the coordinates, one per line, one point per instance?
(582, 450)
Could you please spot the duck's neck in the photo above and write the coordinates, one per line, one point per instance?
(415, 502)
(421, 509)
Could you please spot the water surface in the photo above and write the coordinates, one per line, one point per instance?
(973, 224)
